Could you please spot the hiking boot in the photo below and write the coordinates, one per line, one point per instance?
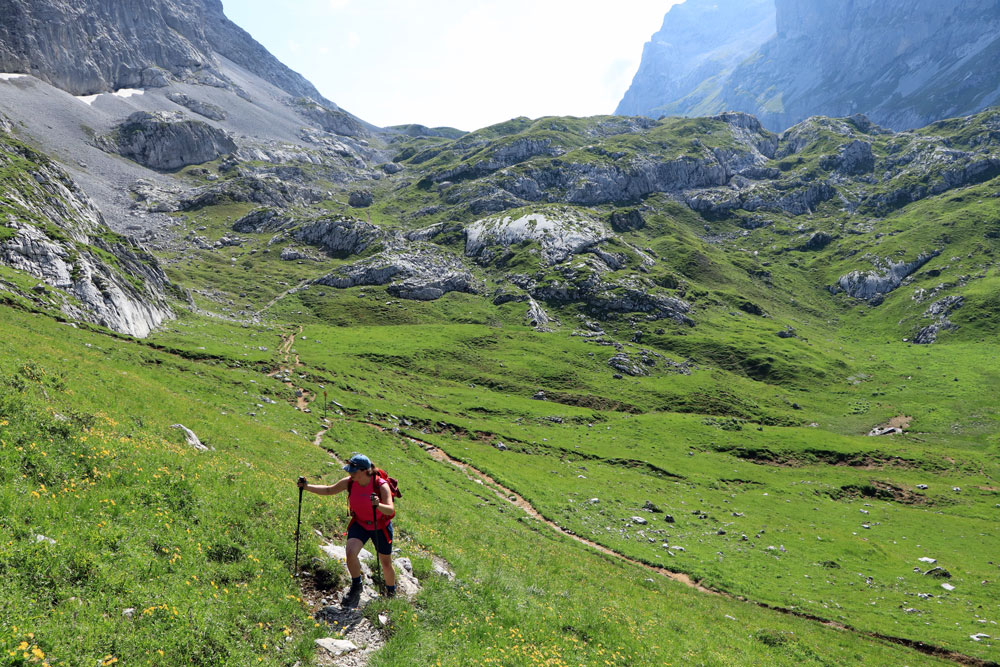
(390, 592)
(352, 597)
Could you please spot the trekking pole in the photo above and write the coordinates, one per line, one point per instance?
(298, 524)
(379, 581)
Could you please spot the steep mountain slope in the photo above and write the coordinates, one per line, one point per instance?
(51, 230)
(685, 64)
(103, 46)
(903, 64)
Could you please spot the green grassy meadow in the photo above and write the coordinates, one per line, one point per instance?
(737, 457)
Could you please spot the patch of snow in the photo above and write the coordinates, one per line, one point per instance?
(122, 92)
(8, 77)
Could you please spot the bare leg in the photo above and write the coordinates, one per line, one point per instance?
(387, 570)
(353, 563)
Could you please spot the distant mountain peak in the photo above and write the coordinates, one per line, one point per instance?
(904, 64)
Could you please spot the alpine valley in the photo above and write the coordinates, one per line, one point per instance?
(656, 391)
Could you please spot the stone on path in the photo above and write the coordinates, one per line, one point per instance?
(336, 646)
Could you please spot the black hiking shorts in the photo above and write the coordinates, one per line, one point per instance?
(378, 537)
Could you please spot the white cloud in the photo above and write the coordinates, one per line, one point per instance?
(337, 5)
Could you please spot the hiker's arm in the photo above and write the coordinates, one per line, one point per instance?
(327, 490)
(385, 505)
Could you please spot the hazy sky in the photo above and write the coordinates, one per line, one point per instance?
(462, 63)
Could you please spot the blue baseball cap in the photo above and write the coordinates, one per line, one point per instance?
(358, 462)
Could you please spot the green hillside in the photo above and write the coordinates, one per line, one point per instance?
(697, 406)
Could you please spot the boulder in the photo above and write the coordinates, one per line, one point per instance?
(407, 585)
(361, 199)
(262, 221)
(627, 221)
(167, 141)
(852, 159)
(817, 241)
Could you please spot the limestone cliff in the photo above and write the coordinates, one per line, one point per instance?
(903, 63)
(104, 45)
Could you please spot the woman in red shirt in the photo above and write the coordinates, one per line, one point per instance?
(371, 518)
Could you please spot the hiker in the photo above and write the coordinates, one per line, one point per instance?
(371, 518)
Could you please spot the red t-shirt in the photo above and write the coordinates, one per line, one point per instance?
(361, 504)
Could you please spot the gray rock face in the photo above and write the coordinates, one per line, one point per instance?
(107, 297)
(536, 316)
(167, 141)
(887, 276)
(817, 241)
(262, 221)
(700, 40)
(852, 159)
(499, 156)
(341, 235)
(623, 364)
(939, 310)
(904, 63)
(330, 118)
(266, 191)
(420, 273)
(95, 46)
(68, 253)
(560, 234)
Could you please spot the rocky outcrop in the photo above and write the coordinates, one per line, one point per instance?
(53, 232)
(939, 310)
(206, 109)
(262, 221)
(793, 197)
(627, 221)
(345, 236)
(536, 316)
(420, 273)
(560, 233)
(603, 299)
(498, 156)
(816, 241)
(872, 286)
(851, 159)
(96, 46)
(265, 191)
(167, 141)
(329, 118)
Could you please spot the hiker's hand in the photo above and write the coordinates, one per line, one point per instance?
(374, 500)
(301, 482)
